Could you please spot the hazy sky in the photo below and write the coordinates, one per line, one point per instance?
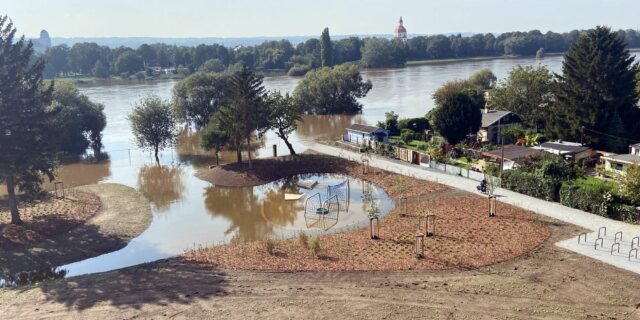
(245, 18)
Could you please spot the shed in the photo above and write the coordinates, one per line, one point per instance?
(360, 133)
(569, 150)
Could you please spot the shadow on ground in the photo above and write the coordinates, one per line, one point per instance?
(160, 283)
(81, 243)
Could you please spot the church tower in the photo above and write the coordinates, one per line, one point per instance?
(400, 33)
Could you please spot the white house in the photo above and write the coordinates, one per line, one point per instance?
(618, 164)
(359, 134)
(568, 150)
(634, 149)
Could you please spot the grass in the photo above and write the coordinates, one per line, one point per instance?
(593, 183)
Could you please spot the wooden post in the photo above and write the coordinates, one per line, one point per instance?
(419, 248)
(374, 228)
(492, 206)
(430, 230)
(275, 151)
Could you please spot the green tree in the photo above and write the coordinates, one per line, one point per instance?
(630, 185)
(390, 122)
(129, 63)
(197, 97)
(57, 58)
(153, 124)
(26, 152)
(483, 79)
(284, 115)
(326, 49)
(245, 110)
(457, 113)
(527, 92)
(147, 54)
(597, 85)
(377, 53)
(213, 65)
(213, 138)
(100, 69)
(332, 90)
(76, 121)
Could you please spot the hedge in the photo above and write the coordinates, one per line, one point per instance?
(530, 184)
(584, 199)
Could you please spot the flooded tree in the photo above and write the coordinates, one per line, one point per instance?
(284, 115)
(153, 124)
(27, 153)
(213, 138)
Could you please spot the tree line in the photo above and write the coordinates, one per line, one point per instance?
(90, 59)
(594, 100)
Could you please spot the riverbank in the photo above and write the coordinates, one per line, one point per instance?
(124, 214)
(466, 237)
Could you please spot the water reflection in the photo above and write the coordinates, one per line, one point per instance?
(161, 184)
(325, 127)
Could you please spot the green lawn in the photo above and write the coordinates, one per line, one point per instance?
(594, 183)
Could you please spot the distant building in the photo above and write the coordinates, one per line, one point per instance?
(400, 32)
(359, 134)
(492, 121)
(618, 164)
(569, 150)
(43, 43)
(513, 154)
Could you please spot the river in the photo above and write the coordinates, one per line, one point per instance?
(188, 212)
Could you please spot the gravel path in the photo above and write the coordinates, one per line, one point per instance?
(125, 214)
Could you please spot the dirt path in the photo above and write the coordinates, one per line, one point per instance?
(124, 214)
(549, 283)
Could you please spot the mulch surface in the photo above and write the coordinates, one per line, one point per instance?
(465, 236)
(45, 218)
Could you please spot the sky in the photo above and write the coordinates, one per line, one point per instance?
(251, 18)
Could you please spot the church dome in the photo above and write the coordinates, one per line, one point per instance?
(400, 32)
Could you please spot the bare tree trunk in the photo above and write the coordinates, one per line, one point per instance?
(286, 141)
(156, 153)
(217, 158)
(13, 204)
(249, 150)
(238, 154)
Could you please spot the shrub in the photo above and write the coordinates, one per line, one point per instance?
(415, 124)
(270, 245)
(299, 70)
(314, 245)
(530, 184)
(586, 199)
(304, 239)
(407, 135)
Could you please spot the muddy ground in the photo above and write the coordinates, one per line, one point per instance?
(548, 283)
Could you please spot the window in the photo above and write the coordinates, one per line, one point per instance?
(617, 166)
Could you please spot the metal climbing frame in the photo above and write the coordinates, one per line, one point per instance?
(342, 192)
(322, 215)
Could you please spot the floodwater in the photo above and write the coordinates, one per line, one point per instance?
(188, 212)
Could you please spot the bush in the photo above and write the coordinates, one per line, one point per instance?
(585, 199)
(299, 70)
(530, 184)
(407, 135)
(415, 124)
(314, 245)
(270, 245)
(140, 75)
(304, 239)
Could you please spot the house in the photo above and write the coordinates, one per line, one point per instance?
(618, 164)
(513, 154)
(569, 150)
(360, 133)
(492, 121)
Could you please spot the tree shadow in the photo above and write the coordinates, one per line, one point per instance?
(160, 283)
(83, 242)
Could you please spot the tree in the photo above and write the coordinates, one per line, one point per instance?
(326, 49)
(630, 185)
(377, 53)
(100, 69)
(129, 63)
(153, 124)
(596, 86)
(540, 54)
(527, 92)
(332, 90)
(457, 113)
(197, 97)
(390, 122)
(147, 54)
(57, 61)
(213, 65)
(76, 122)
(26, 153)
(213, 138)
(245, 110)
(284, 115)
(483, 79)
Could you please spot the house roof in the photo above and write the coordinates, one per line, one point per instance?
(492, 117)
(637, 145)
(512, 152)
(565, 147)
(363, 128)
(625, 158)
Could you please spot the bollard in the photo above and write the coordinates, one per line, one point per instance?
(374, 228)
(492, 206)
(431, 225)
(419, 248)
(275, 151)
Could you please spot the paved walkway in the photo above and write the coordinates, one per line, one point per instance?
(551, 209)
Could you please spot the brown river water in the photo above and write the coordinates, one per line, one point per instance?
(190, 213)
